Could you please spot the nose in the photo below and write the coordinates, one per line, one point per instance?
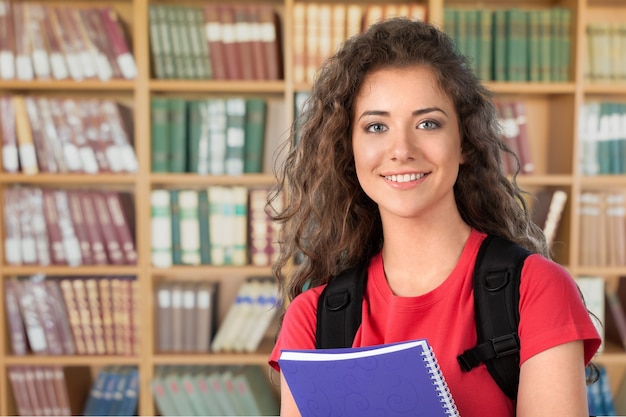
(403, 146)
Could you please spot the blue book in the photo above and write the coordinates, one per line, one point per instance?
(400, 379)
(128, 406)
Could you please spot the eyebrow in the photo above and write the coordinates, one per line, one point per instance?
(414, 113)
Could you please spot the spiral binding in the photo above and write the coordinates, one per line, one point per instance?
(439, 382)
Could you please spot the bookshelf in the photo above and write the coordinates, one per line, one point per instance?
(553, 108)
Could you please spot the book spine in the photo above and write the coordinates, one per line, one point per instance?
(161, 228)
(17, 333)
(26, 147)
(122, 224)
(107, 228)
(73, 315)
(7, 41)
(235, 136)
(189, 227)
(121, 50)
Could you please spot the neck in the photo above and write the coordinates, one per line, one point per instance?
(418, 256)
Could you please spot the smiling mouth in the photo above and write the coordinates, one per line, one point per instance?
(404, 177)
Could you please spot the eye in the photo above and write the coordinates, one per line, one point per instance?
(376, 128)
(428, 125)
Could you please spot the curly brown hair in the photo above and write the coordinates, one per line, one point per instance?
(328, 220)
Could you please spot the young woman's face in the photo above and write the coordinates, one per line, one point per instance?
(406, 142)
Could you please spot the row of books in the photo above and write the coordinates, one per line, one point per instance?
(602, 228)
(219, 225)
(214, 136)
(514, 132)
(40, 390)
(186, 315)
(114, 392)
(242, 390)
(602, 135)
(215, 41)
(605, 60)
(73, 316)
(62, 42)
(48, 226)
(319, 28)
(514, 44)
(59, 135)
(249, 316)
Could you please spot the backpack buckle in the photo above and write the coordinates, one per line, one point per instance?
(505, 345)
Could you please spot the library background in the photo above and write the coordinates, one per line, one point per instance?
(138, 143)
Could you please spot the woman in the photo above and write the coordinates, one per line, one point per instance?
(399, 163)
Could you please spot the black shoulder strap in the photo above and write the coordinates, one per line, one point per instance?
(496, 300)
(338, 317)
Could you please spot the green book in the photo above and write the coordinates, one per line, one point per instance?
(216, 119)
(162, 397)
(545, 45)
(235, 135)
(161, 228)
(194, 135)
(516, 45)
(175, 222)
(159, 126)
(156, 48)
(565, 26)
(499, 45)
(534, 48)
(177, 115)
(471, 39)
(189, 227)
(171, 381)
(255, 393)
(485, 44)
(203, 222)
(166, 42)
(191, 394)
(256, 112)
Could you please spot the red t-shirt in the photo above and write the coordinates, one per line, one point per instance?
(551, 313)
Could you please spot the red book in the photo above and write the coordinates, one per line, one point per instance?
(509, 134)
(17, 333)
(55, 238)
(60, 389)
(7, 42)
(107, 229)
(45, 157)
(80, 227)
(47, 316)
(121, 218)
(58, 66)
(61, 316)
(121, 50)
(257, 42)
(33, 393)
(73, 315)
(243, 39)
(17, 379)
(94, 234)
(523, 141)
(270, 33)
(213, 29)
(107, 64)
(98, 137)
(12, 236)
(234, 69)
(47, 403)
(10, 157)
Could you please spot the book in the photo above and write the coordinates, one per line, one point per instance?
(370, 377)
(615, 314)
(548, 210)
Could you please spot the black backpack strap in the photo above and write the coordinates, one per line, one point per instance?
(496, 300)
(339, 308)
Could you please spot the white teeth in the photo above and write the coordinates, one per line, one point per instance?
(404, 178)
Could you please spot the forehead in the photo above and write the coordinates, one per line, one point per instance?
(416, 83)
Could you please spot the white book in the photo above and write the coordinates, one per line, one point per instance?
(161, 228)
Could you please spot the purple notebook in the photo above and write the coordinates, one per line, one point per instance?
(398, 379)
